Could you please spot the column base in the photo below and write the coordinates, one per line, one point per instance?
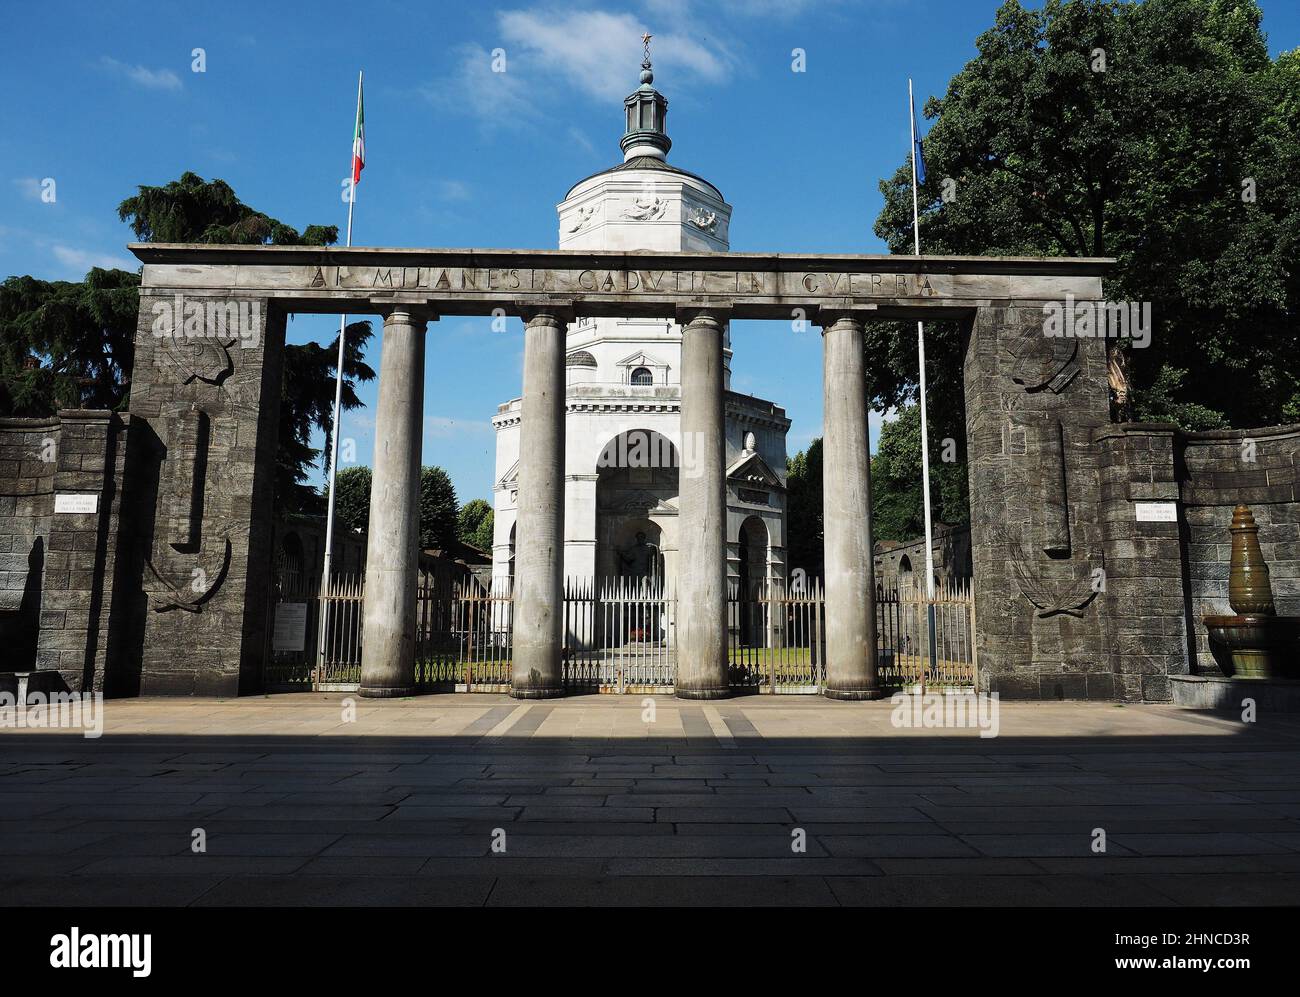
(722, 693)
(537, 693)
(384, 692)
(853, 695)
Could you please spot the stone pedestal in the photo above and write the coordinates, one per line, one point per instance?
(702, 575)
(393, 547)
(846, 500)
(539, 532)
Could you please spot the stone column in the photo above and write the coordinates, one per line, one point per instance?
(701, 543)
(393, 544)
(846, 501)
(539, 532)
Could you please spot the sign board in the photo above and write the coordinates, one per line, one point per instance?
(76, 502)
(290, 633)
(1156, 512)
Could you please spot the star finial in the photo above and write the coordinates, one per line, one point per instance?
(645, 40)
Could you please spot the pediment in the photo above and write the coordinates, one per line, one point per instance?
(751, 469)
(641, 359)
(511, 478)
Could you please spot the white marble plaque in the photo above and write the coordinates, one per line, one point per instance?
(76, 502)
(290, 633)
(1156, 512)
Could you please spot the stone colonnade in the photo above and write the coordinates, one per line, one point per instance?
(198, 468)
(392, 558)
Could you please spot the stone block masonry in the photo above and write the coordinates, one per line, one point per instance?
(60, 524)
(1033, 404)
(208, 414)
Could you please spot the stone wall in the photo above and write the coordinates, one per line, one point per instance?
(1261, 468)
(1144, 565)
(66, 587)
(1033, 404)
(27, 469)
(207, 410)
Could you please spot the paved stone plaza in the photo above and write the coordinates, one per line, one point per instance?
(599, 807)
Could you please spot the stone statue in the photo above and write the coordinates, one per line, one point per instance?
(641, 559)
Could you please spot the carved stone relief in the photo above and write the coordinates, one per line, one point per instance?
(646, 209)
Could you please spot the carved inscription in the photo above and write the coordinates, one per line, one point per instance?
(740, 283)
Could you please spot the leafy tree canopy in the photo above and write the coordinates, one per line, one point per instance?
(805, 543)
(66, 344)
(1178, 159)
(897, 493)
(192, 209)
(72, 344)
(474, 524)
(438, 512)
(352, 505)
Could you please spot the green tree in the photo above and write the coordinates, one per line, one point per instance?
(352, 506)
(474, 524)
(438, 513)
(897, 492)
(72, 344)
(805, 543)
(85, 333)
(194, 210)
(1153, 161)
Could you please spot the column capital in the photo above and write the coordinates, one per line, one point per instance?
(717, 312)
(827, 315)
(412, 310)
(559, 311)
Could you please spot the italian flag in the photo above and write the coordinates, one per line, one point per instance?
(359, 138)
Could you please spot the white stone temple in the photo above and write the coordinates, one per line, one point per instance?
(623, 412)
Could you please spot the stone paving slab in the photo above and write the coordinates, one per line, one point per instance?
(753, 801)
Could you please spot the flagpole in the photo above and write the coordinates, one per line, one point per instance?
(925, 438)
(334, 435)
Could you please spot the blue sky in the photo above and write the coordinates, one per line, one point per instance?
(103, 97)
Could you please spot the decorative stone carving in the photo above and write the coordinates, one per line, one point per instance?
(646, 209)
(1043, 363)
(197, 359)
(706, 221)
(580, 220)
(197, 587)
(1053, 586)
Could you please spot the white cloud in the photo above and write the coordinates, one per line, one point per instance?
(495, 99)
(453, 190)
(777, 10)
(29, 187)
(546, 53)
(82, 259)
(579, 139)
(153, 79)
(599, 52)
(440, 427)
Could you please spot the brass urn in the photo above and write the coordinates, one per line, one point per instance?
(1250, 593)
(1256, 643)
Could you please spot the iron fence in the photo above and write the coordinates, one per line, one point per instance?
(619, 636)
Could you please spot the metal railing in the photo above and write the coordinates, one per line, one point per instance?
(903, 644)
(621, 636)
(776, 638)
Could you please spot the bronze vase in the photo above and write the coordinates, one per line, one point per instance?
(1250, 593)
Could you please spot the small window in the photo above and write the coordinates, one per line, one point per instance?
(642, 375)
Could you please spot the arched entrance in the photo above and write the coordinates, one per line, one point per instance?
(753, 546)
(636, 509)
